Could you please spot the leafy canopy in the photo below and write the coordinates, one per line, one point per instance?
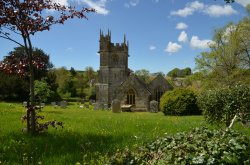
(228, 60)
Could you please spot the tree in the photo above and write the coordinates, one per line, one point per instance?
(176, 72)
(143, 74)
(228, 60)
(72, 72)
(158, 73)
(51, 80)
(25, 18)
(42, 90)
(90, 73)
(13, 88)
(16, 62)
(186, 72)
(69, 87)
(82, 82)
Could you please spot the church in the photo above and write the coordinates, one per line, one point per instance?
(117, 81)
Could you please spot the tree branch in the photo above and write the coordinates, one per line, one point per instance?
(8, 38)
(12, 30)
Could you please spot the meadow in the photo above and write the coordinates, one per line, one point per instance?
(88, 137)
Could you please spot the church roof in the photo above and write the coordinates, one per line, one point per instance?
(159, 79)
(137, 81)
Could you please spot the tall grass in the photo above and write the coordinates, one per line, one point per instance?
(88, 136)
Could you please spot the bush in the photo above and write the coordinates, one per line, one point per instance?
(179, 102)
(199, 146)
(221, 105)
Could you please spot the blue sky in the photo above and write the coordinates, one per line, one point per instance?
(162, 34)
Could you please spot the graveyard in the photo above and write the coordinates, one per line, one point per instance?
(89, 136)
(174, 90)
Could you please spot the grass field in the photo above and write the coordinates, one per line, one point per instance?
(88, 136)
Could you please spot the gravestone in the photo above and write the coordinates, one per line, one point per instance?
(53, 104)
(63, 104)
(42, 105)
(154, 106)
(25, 103)
(116, 106)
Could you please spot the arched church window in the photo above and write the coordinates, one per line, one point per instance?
(158, 93)
(131, 97)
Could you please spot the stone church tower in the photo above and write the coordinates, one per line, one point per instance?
(113, 68)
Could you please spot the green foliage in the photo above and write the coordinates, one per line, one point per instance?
(158, 73)
(69, 87)
(176, 72)
(42, 91)
(13, 88)
(90, 93)
(179, 102)
(143, 74)
(199, 146)
(72, 72)
(221, 105)
(73, 83)
(228, 60)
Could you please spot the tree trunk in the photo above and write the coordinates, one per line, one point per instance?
(32, 98)
(31, 114)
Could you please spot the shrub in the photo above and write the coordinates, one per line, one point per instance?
(199, 146)
(179, 102)
(221, 105)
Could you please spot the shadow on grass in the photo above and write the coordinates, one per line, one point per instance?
(60, 147)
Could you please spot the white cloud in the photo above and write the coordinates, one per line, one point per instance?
(183, 37)
(181, 26)
(211, 10)
(69, 49)
(217, 11)
(243, 2)
(99, 6)
(196, 43)
(189, 9)
(173, 47)
(152, 47)
(61, 2)
(134, 2)
(196, 5)
(228, 31)
(183, 12)
(131, 3)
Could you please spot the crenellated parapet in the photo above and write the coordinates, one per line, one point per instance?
(107, 45)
